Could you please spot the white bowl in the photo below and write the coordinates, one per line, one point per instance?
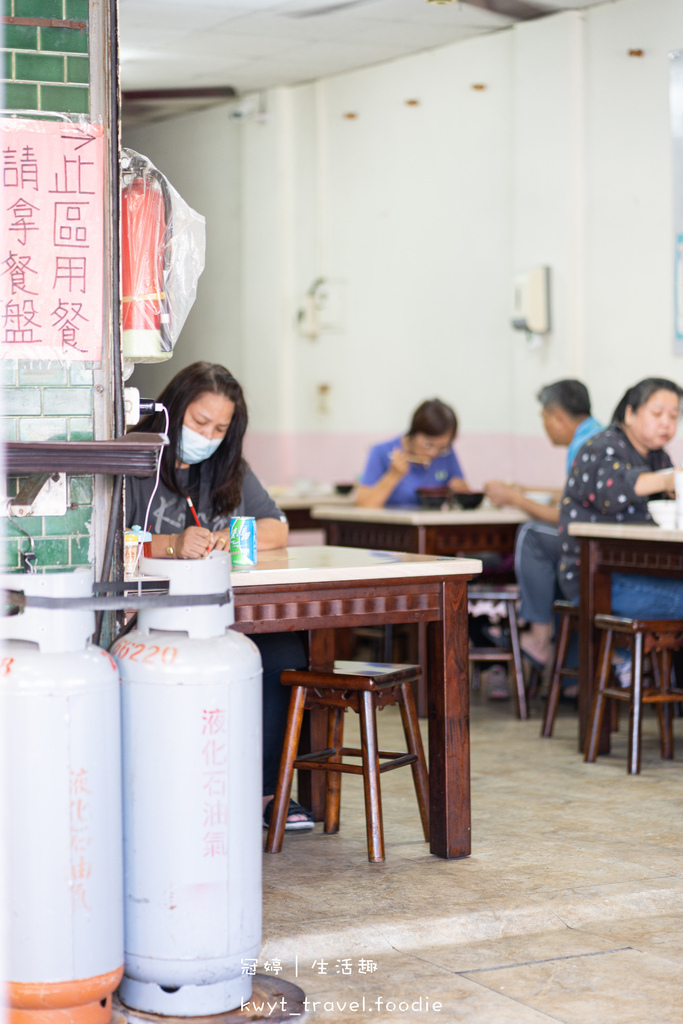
(664, 513)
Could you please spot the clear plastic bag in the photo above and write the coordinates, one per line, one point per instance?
(163, 242)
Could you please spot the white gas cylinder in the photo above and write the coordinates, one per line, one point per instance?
(59, 703)
(192, 799)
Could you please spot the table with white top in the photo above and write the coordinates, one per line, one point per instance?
(321, 589)
(638, 549)
(439, 532)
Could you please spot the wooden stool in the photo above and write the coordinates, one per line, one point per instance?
(658, 639)
(363, 687)
(508, 596)
(569, 623)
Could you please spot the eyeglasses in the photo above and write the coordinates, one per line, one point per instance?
(433, 450)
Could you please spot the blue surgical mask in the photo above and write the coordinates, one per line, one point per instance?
(195, 447)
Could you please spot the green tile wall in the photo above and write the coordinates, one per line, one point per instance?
(38, 8)
(48, 69)
(60, 541)
(46, 401)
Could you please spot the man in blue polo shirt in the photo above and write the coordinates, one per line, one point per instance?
(567, 419)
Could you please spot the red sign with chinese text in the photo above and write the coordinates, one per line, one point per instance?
(52, 259)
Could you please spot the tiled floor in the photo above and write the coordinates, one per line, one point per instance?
(570, 908)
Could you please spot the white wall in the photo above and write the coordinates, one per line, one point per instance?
(427, 212)
(200, 155)
(409, 206)
(548, 206)
(629, 242)
(417, 221)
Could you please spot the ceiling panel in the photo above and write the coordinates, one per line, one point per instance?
(183, 16)
(223, 43)
(258, 44)
(231, 8)
(140, 38)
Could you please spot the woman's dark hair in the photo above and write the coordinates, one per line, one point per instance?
(433, 418)
(227, 463)
(641, 393)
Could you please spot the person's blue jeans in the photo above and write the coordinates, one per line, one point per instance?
(646, 597)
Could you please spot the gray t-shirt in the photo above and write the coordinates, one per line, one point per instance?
(170, 512)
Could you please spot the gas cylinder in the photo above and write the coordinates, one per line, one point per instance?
(59, 702)
(191, 726)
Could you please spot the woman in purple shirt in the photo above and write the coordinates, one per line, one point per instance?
(423, 457)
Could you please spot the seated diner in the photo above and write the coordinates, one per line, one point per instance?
(567, 421)
(613, 477)
(421, 458)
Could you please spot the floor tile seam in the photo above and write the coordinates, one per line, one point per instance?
(544, 960)
(639, 947)
(435, 961)
(540, 1014)
(589, 889)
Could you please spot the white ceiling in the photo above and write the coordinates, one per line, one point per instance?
(258, 44)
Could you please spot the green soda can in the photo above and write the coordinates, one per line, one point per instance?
(243, 540)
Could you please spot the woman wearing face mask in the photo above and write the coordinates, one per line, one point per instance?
(423, 457)
(203, 461)
(207, 421)
(613, 477)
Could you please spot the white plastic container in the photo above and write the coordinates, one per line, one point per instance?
(663, 512)
(60, 708)
(192, 799)
(678, 483)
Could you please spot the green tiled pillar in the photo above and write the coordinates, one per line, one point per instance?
(46, 68)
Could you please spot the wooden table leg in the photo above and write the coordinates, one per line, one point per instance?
(596, 598)
(311, 785)
(449, 726)
(421, 699)
(422, 660)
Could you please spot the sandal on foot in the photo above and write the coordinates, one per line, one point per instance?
(293, 810)
(495, 684)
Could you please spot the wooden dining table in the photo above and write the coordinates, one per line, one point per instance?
(321, 589)
(453, 532)
(605, 548)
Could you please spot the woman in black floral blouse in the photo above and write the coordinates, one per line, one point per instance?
(612, 479)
